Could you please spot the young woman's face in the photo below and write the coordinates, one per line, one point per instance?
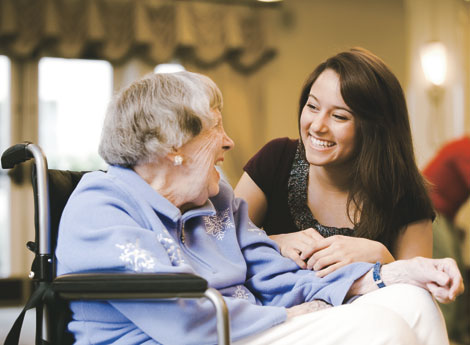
(201, 154)
(327, 125)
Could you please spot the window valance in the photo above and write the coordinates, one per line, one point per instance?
(155, 30)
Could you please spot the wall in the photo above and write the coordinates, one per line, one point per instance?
(309, 31)
(264, 105)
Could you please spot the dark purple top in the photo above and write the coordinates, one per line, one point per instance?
(270, 169)
(281, 171)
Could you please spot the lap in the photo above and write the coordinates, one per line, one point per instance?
(356, 324)
(397, 314)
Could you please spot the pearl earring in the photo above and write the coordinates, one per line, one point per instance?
(178, 160)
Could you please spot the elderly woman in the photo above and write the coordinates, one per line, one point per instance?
(162, 207)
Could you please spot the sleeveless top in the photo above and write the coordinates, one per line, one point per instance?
(281, 172)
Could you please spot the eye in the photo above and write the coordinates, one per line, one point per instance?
(312, 106)
(340, 117)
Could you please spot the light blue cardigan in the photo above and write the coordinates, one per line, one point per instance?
(116, 222)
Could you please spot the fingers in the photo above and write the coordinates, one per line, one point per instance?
(293, 254)
(456, 287)
(324, 272)
(321, 259)
(293, 244)
(317, 246)
(314, 234)
(440, 276)
(439, 293)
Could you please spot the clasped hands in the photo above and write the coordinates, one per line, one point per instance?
(310, 250)
(441, 277)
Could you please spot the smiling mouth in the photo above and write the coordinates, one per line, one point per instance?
(321, 143)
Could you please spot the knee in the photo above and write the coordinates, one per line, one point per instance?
(412, 303)
(380, 325)
(415, 304)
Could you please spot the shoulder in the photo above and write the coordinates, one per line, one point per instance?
(98, 191)
(97, 183)
(271, 165)
(280, 146)
(415, 207)
(276, 150)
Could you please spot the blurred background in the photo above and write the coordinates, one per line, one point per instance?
(62, 60)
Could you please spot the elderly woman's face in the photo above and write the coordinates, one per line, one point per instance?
(201, 154)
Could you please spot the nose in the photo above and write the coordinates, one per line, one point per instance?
(227, 142)
(319, 122)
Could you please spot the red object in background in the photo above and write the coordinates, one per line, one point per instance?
(449, 173)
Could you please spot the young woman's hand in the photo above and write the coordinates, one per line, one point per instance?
(293, 245)
(331, 253)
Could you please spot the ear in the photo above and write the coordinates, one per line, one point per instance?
(175, 158)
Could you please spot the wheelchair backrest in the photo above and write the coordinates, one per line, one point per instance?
(61, 185)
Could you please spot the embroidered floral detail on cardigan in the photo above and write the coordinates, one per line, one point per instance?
(136, 258)
(253, 228)
(217, 225)
(172, 249)
(240, 293)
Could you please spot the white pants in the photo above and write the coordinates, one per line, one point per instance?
(397, 314)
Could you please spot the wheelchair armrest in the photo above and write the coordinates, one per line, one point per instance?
(108, 286)
(128, 285)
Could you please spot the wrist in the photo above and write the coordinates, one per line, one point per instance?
(376, 275)
(393, 273)
(362, 285)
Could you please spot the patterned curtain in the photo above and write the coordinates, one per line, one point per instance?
(153, 30)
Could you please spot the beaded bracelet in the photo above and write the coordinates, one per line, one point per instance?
(376, 275)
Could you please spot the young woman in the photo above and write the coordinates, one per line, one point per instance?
(349, 189)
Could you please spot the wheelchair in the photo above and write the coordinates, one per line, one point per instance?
(51, 294)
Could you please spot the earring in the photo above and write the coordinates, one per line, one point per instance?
(178, 160)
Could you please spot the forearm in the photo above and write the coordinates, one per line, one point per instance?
(385, 256)
(390, 274)
(440, 277)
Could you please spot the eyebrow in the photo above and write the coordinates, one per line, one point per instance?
(335, 106)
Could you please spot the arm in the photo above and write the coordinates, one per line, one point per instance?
(291, 245)
(278, 281)
(336, 251)
(415, 240)
(248, 190)
(438, 276)
(441, 277)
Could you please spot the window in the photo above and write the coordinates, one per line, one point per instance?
(73, 96)
(170, 67)
(4, 180)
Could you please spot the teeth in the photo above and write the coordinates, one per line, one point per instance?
(321, 143)
(219, 163)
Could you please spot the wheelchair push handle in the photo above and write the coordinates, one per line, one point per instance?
(23, 152)
(16, 154)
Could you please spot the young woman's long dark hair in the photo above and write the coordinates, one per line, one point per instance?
(386, 187)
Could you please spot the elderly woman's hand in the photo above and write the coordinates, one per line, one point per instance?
(293, 245)
(441, 277)
(331, 253)
(307, 307)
